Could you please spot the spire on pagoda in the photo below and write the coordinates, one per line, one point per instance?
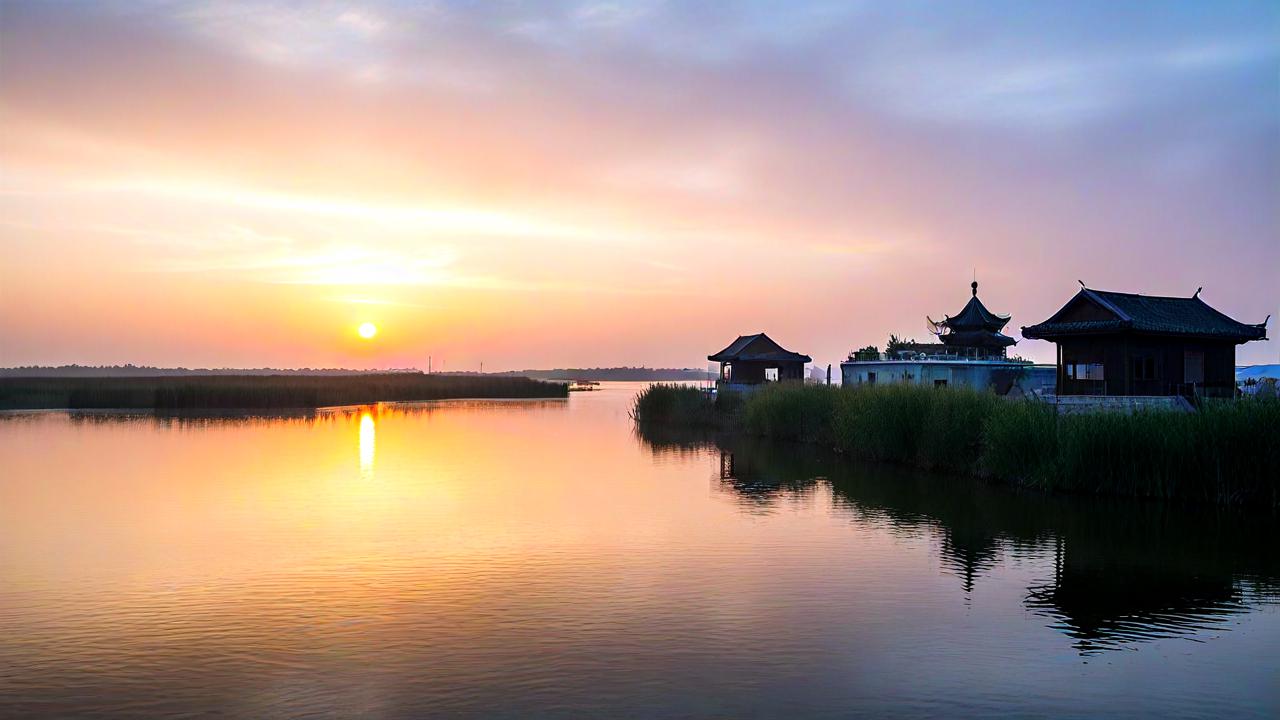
(975, 329)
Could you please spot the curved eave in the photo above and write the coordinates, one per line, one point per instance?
(977, 338)
(1053, 333)
(975, 316)
(793, 357)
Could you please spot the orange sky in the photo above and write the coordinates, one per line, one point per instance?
(242, 184)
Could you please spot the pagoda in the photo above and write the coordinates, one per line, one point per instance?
(974, 331)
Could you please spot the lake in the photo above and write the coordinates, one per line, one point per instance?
(538, 558)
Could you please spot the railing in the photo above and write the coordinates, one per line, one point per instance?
(885, 357)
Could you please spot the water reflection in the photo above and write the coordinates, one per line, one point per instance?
(532, 559)
(367, 441)
(196, 419)
(1123, 572)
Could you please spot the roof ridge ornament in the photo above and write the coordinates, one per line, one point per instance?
(1197, 292)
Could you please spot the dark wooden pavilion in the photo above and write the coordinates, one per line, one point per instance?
(974, 331)
(1112, 343)
(757, 359)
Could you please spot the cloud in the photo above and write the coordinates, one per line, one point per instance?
(580, 147)
(420, 218)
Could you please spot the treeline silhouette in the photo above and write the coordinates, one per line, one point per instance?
(131, 370)
(231, 392)
(619, 374)
(556, 374)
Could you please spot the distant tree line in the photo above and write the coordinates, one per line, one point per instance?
(130, 370)
(617, 374)
(563, 374)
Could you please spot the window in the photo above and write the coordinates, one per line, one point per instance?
(1144, 367)
(1085, 371)
(939, 383)
(871, 378)
(726, 371)
(771, 374)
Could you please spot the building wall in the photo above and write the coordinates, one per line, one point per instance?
(1144, 365)
(753, 373)
(997, 376)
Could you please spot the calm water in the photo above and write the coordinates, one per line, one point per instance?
(509, 559)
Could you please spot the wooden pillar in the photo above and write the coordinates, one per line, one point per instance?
(1059, 374)
(1128, 367)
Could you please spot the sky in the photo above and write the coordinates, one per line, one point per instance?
(549, 184)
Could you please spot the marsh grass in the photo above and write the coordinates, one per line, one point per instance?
(792, 412)
(682, 406)
(1228, 452)
(229, 392)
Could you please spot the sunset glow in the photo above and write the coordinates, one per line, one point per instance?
(639, 358)
(584, 184)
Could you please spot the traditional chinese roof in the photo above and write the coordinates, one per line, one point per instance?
(757, 348)
(1093, 312)
(977, 338)
(975, 316)
(975, 326)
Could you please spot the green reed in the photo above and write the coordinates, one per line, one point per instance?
(230, 392)
(682, 406)
(792, 411)
(1228, 452)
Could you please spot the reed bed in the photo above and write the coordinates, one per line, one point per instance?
(681, 407)
(253, 392)
(1228, 452)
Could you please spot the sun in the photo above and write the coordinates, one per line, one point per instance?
(367, 330)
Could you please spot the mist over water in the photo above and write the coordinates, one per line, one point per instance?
(539, 558)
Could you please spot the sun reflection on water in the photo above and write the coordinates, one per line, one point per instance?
(367, 443)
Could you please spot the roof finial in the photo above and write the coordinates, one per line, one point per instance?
(1082, 285)
(975, 288)
(1198, 291)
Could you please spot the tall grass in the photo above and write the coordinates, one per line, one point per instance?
(1020, 443)
(791, 411)
(227, 392)
(1228, 452)
(681, 406)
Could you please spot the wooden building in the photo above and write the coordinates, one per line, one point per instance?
(757, 359)
(1112, 343)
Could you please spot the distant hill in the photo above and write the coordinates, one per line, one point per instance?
(1257, 372)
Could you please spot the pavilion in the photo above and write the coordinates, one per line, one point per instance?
(756, 359)
(1114, 343)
